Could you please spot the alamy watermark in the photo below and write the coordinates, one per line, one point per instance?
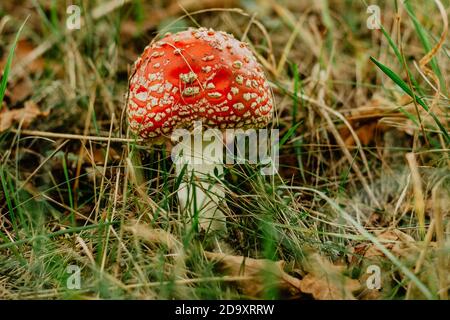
(73, 21)
(73, 281)
(251, 146)
(373, 22)
(373, 282)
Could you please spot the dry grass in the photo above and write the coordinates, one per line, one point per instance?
(363, 180)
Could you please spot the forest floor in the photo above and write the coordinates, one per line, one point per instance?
(359, 208)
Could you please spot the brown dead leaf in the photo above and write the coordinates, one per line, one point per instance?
(263, 274)
(365, 120)
(23, 48)
(21, 90)
(368, 294)
(25, 115)
(98, 155)
(325, 280)
(366, 134)
(394, 240)
(323, 288)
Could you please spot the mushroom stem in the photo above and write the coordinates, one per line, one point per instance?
(200, 193)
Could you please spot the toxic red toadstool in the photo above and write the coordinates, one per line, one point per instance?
(197, 75)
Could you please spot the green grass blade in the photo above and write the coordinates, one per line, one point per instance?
(9, 200)
(288, 134)
(69, 189)
(401, 60)
(56, 234)
(5, 76)
(421, 32)
(404, 86)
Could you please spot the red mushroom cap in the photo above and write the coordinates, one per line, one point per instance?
(197, 75)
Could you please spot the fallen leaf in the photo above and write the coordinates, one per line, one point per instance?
(394, 240)
(323, 288)
(368, 294)
(24, 48)
(25, 115)
(407, 250)
(325, 280)
(257, 274)
(98, 155)
(21, 90)
(365, 120)
(365, 133)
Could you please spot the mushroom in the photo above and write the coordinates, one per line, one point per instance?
(198, 75)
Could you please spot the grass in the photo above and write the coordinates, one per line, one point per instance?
(352, 105)
(407, 90)
(7, 66)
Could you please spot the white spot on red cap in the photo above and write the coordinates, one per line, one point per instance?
(142, 96)
(208, 58)
(189, 77)
(214, 94)
(237, 64)
(207, 69)
(191, 91)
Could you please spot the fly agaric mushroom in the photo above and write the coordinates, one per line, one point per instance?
(198, 75)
